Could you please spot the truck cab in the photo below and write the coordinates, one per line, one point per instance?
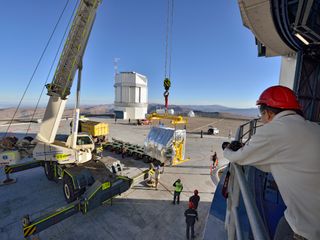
(84, 141)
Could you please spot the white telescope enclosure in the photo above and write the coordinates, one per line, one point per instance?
(131, 95)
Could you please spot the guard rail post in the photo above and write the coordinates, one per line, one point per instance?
(257, 226)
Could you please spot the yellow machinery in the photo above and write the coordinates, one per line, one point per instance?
(176, 151)
(174, 119)
(179, 148)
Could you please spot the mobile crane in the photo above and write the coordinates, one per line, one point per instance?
(77, 149)
(67, 159)
(87, 183)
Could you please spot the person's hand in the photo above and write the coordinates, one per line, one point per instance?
(235, 145)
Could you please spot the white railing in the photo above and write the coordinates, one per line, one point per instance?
(238, 184)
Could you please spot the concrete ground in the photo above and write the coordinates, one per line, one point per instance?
(139, 213)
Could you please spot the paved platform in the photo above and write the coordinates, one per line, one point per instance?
(139, 213)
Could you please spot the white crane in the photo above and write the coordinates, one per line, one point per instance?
(77, 148)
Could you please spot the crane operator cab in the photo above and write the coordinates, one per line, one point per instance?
(61, 150)
(84, 141)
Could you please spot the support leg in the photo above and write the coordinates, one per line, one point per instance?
(8, 180)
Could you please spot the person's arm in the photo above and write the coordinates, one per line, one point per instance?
(259, 151)
(197, 216)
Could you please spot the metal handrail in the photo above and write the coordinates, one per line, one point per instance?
(237, 185)
(257, 226)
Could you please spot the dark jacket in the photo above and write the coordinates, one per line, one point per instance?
(195, 200)
(191, 216)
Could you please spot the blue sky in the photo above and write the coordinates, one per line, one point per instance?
(214, 57)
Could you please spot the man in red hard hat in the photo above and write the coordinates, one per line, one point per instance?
(194, 199)
(288, 146)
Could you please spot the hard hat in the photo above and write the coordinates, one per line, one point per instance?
(195, 192)
(279, 97)
(191, 205)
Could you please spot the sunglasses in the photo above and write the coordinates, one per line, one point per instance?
(262, 110)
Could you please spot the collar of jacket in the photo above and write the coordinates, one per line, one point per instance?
(284, 113)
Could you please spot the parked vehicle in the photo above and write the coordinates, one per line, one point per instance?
(143, 122)
(212, 130)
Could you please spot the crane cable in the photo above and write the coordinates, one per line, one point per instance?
(167, 66)
(52, 64)
(36, 68)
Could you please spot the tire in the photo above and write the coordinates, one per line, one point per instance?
(68, 189)
(136, 156)
(157, 162)
(118, 151)
(147, 159)
(28, 138)
(146, 176)
(49, 170)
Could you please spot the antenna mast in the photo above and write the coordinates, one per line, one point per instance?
(115, 64)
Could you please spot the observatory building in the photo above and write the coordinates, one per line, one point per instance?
(131, 95)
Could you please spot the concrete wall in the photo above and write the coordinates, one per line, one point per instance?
(287, 71)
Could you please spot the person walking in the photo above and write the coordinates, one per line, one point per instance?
(191, 216)
(178, 187)
(194, 199)
(157, 176)
(123, 151)
(287, 145)
(215, 162)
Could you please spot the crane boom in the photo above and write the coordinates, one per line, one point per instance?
(69, 63)
(73, 49)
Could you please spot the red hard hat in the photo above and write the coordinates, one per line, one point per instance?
(195, 192)
(279, 97)
(191, 205)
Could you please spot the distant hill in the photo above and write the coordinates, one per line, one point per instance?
(200, 110)
(27, 113)
(207, 110)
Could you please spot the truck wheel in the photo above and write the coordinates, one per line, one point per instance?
(28, 138)
(68, 189)
(49, 170)
(147, 159)
(146, 176)
(135, 156)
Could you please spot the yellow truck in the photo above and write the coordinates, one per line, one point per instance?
(98, 130)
